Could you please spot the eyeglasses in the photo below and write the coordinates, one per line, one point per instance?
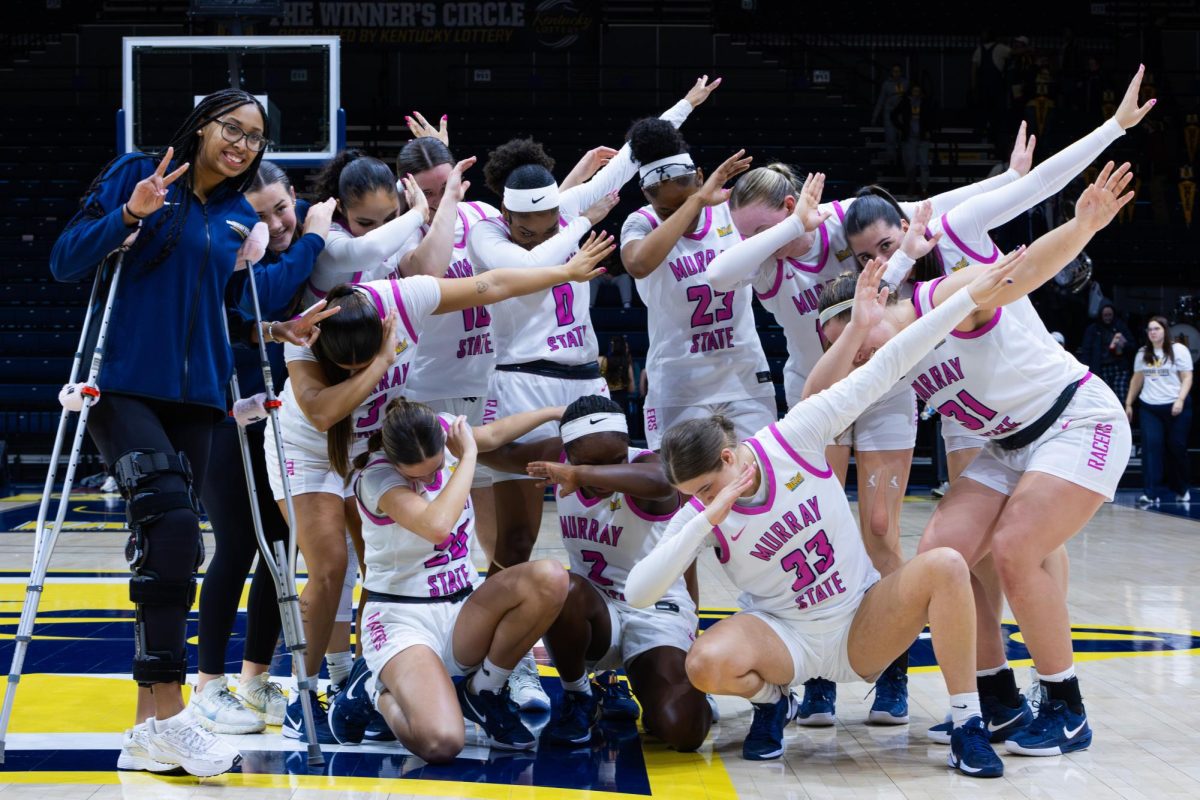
(233, 134)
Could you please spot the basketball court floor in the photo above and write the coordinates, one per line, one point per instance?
(1134, 606)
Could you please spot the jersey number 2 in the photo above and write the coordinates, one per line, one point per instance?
(596, 574)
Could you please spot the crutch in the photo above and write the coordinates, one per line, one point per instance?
(280, 563)
(45, 536)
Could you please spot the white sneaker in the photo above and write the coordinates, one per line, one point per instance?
(217, 710)
(181, 741)
(264, 698)
(134, 754)
(1186, 497)
(1146, 501)
(525, 687)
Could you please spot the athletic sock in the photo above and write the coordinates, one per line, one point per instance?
(339, 665)
(582, 684)
(488, 678)
(769, 694)
(963, 707)
(1000, 683)
(1064, 686)
(900, 664)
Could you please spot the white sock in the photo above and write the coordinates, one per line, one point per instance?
(489, 678)
(769, 693)
(1058, 677)
(177, 721)
(987, 673)
(963, 707)
(581, 684)
(339, 665)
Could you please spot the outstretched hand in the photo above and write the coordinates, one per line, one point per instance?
(719, 508)
(418, 126)
(701, 90)
(1129, 113)
(554, 472)
(1022, 153)
(151, 192)
(582, 266)
(915, 244)
(994, 282)
(807, 204)
(713, 192)
(456, 187)
(303, 331)
(1101, 200)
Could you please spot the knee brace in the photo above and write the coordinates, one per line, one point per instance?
(136, 474)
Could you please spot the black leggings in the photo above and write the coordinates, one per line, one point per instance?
(227, 503)
(121, 423)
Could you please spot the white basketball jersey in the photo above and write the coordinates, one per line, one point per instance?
(457, 351)
(328, 272)
(800, 554)
(399, 561)
(790, 289)
(996, 379)
(704, 347)
(605, 537)
(555, 325)
(414, 300)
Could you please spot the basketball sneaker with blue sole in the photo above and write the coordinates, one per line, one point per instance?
(351, 712)
(818, 707)
(1001, 721)
(1057, 730)
(971, 751)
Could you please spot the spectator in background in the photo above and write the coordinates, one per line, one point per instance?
(988, 64)
(1162, 383)
(1107, 345)
(891, 92)
(617, 369)
(615, 276)
(913, 117)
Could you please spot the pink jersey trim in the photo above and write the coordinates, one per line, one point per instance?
(722, 545)
(932, 287)
(770, 476)
(841, 214)
(778, 282)
(975, 334)
(787, 448)
(477, 209)
(365, 511)
(646, 515)
(403, 311)
(954, 238)
(466, 227)
(820, 265)
(649, 216)
(375, 296)
(316, 292)
(705, 228)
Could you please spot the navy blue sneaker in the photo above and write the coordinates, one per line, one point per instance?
(1002, 721)
(1055, 731)
(574, 719)
(971, 751)
(891, 698)
(378, 730)
(817, 709)
(765, 739)
(293, 720)
(351, 709)
(497, 715)
(616, 701)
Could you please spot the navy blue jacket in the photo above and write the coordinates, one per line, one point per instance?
(166, 336)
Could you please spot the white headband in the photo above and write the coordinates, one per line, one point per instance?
(604, 422)
(834, 310)
(539, 199)
(661, 170)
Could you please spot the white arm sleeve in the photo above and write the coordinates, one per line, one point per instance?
(973, 219)
(616, 173)
(344, 256)
(682, 541)
(812, 423)
(897, 269)
(489, 247)
(740, 264)
(955, 197)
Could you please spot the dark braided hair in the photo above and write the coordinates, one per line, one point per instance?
(518, 164)
(187, 145)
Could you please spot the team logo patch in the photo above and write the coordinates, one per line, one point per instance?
(724, 230)
(614, 504)
(960, 264)
(401, 346)
(238, 228)
(795, 481)
(842, 255)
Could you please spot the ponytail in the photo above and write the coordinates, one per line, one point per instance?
(874, 203)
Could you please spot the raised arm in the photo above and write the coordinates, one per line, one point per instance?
(814, 421)
(642, 256)
(434, 520)
(490, 247)
(432, 256)
(346, 254)
(620, 168)
(325, 404)
(739, 264)
(642, 478)
(504, 430)
(500, 284)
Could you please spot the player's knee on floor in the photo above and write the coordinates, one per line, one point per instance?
(440, 745)
(164, 550)
(682, 723)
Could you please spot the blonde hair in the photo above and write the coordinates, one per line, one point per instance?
(769, 185)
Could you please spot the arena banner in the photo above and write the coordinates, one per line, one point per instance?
(538, 24)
